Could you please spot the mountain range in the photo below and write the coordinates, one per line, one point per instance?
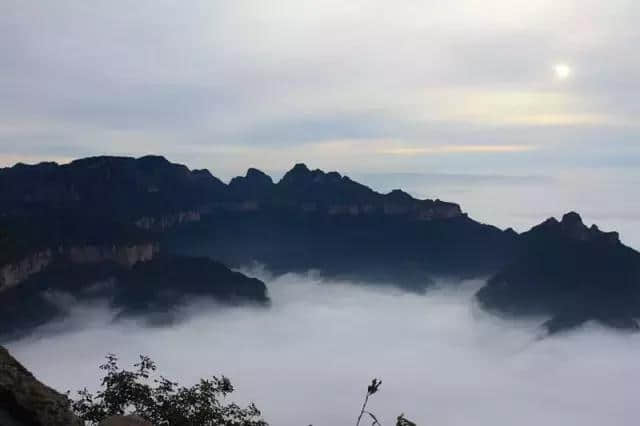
(148, 233)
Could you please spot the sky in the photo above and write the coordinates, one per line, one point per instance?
(309, 357)
(495, 88)
(517, 109)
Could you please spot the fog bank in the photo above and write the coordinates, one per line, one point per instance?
(308, 358)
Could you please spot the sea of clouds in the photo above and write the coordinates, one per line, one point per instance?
(309, 357)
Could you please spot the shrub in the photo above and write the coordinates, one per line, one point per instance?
(162, 401)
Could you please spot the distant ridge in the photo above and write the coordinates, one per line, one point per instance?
(129, 189)
(311, 219)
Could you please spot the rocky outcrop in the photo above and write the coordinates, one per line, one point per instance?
(150, 289)
(336, 195)
(162, 284)
(571, 273)
(400, 203)
(255, 185)
(165, 222)
(571, 226)
(14, 273)
(155, 194)
(24, 401)
(123, 189)
(126, 255)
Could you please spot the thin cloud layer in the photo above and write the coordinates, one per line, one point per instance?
(309, 358)
(229, 84)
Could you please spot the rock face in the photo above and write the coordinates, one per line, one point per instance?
(253, 186)
(118, 187)
(317, 191)
(24, 401)
(90, 204)
(162, 223)
(167, 281)
(571, 273)
(149, 290)
(127, 255)
(14, 273)
(156, 195)
(108, 208)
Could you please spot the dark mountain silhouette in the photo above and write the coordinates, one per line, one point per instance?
(102, 211)
(572, 273)
(313, 219)
(129, 189)
(152, 288)
(256, 185)
(116, 187)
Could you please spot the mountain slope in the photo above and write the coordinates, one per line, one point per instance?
(153, 289)
(310, 219)
(572, 273)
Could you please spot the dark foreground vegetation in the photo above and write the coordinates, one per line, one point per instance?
(160, 400)
(140, 392)
(138, 396)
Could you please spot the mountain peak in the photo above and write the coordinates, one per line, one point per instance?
(299, 168)
(299, 171)
(254, 174)
(154, 159)
(572, 226)
(254, 184)
(147, 162)
(399, 195)
(572, 219)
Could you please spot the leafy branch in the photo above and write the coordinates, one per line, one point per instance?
(371, 389)
(164, 402)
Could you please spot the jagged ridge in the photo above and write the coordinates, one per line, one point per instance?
(572, 273)
(314, 219)
(153, 193)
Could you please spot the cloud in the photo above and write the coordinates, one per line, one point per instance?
(242, 78)
(309, 357)
(460, 149)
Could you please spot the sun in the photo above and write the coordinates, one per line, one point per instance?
(562, 71)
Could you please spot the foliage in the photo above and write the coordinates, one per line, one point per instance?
(161, 401)
(165, 403)
(402, 421)
(371, 389)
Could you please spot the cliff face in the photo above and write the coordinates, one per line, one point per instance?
(415, 211)
(24, 401)
(127, 255)
(571, 227)
(100, 209)
(154, 194)
(331, 193)
(13, 274)
(149, 289)
(121, 188)
(161, 223)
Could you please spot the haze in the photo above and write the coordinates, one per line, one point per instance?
(309, 358)
(359, 86)
(423, 87)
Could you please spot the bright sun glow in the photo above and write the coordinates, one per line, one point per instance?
(562, 71)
